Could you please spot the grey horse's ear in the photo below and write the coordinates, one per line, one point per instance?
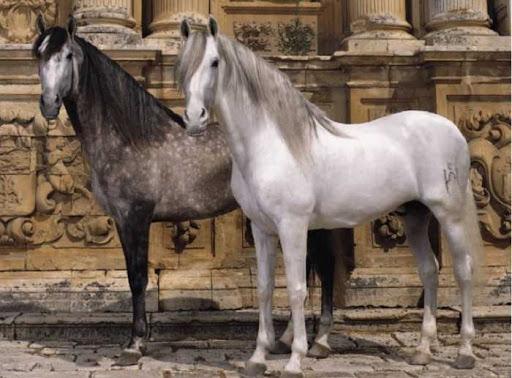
(213, 27)
(40, 24)
(185, 28)
(71, 26)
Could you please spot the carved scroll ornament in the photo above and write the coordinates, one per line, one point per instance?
(488, 138)
(17, 18)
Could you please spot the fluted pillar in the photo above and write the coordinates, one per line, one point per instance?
(456, 21)
(380, 21)
(167, 16)
(106, 22)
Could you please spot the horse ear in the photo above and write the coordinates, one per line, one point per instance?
(71, 26)
(213, 27)
(185, 28)
(40, 24)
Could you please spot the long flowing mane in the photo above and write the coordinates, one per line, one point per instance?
(111, 96)
(267, 87)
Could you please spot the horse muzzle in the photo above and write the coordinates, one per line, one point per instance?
(196, 130)
(50, 109)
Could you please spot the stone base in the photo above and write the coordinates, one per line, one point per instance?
(370, 42)
(474, 37)
(396, 287)
(167, 42)
(230, 325)
(110, 35)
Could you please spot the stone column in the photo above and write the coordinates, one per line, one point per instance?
(106, 22)
(378, 25)
(167, 16)
(457, 22)
(502, 16)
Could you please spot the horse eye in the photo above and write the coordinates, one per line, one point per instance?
(215, 63)
(70, 55)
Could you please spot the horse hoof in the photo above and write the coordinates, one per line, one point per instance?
(129, 357)
(319, 351)
(280, 348)
(465, 361)
(292, 374)
(253, 369)
(420, 358)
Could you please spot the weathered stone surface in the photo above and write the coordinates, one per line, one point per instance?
(74, 291)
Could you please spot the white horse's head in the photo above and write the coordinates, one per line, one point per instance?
(199, 74)
(59, 57)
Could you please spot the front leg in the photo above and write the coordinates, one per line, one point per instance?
(266, 246)
(293, 236)
(133, 230)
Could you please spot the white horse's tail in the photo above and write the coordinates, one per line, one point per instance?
(473, 236)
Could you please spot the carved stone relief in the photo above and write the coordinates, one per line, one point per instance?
(488, 136)
(17, 18)
(256, 36)
(44, 182)
(295, 37)
(389, 231)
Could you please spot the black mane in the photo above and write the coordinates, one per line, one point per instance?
(111, 96)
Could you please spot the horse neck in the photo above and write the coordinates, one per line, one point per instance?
(88, 130)
(244, 128)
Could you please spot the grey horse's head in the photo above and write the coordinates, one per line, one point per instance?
(59, 58)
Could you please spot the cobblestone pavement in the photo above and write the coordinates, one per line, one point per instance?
(355, 355)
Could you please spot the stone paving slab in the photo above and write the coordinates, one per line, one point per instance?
(356, 355)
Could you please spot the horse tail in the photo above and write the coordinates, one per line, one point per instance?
(473, 236)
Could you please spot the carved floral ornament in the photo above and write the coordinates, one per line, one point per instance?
(17, 18)
(292, 38)
(488, 138)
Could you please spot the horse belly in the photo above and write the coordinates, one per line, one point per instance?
(362, 186)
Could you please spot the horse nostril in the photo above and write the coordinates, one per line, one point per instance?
(57, 99)
(203, 112)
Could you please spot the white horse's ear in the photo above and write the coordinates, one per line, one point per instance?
(40, 24)
(213, 27)
(185, 28)
(71, 27)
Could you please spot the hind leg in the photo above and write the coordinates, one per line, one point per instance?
(323, 249)
(416, 224)
(454, 228)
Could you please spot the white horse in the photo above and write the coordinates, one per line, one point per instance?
(295, 169)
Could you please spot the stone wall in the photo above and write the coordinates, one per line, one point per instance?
(59, 251)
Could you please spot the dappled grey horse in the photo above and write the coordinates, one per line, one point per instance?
(143, 165)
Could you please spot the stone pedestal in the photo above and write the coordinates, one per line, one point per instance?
(166, 19)
(106, 22)
(458, 22)
(379, 26)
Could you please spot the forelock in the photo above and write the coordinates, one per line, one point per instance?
(49, 42)
(190, 57)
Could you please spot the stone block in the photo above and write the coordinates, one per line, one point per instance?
(78, 327)
(75, 259)
(72, 291)
(10, 261)
(177, 299)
